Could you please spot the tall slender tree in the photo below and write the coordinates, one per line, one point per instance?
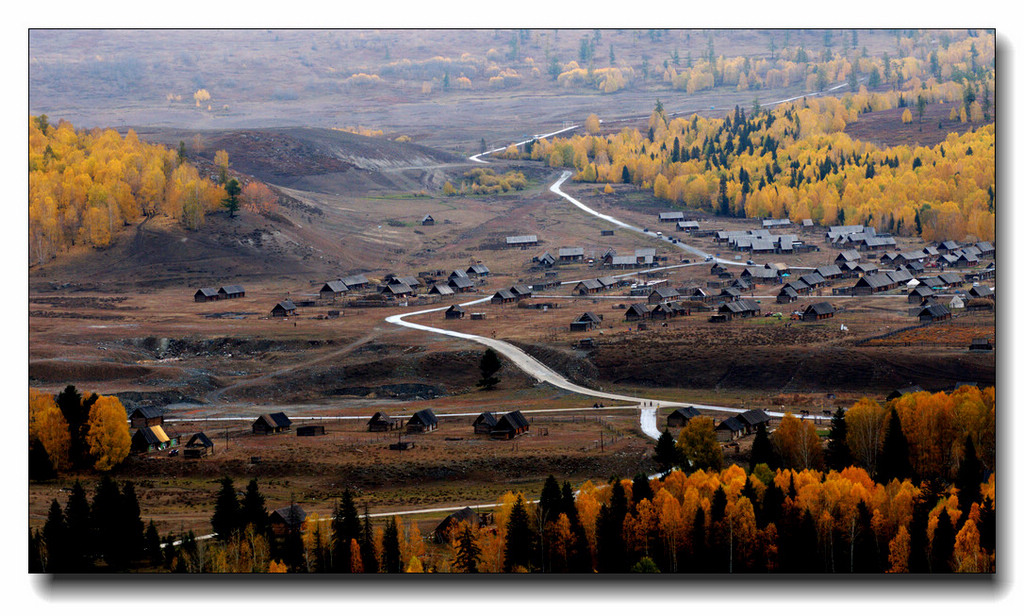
(837, 453)
(519, 539)
(392, 552)
(894, 459)
(253, 509)
(226, 513)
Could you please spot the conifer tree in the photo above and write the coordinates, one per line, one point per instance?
(837, 454)
(550, 504)
(761, 450)
(107, 518)
(345, 527)
(665, 454)
(39, 466)
(894, 458)
(55, 539)
(519, 539)
(80, 537)
(226, 513)
(490, 364)
(253, 509)
(968, 476)
(132, 527)
(231, 202)
(467, 552)
(392, 553)
(152, 543)
(641, 490)
(367, 552)
(942, 544)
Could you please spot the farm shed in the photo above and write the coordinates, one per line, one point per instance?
(729, 429)
(478, 269)
(198, 446)
(587, 287)
(382, 422)
(847, 256)
(981, 292)
(271, 423)
(460, 285)
(687, 226)
(951, 280)
(680, 417)
(440, 289)
(668, 310)
(397, 289)
(546, 259)
(751, 419)
(428, 221)
(957, 303)
(443, 532)
(671, 216)
(231, 291)
(484, 423)
(510, 425)
(933, 312)
(902, 391)
(206, 294)
(787, 295)
(146, 416)
(422, 421)
(985, 249)
(454, 312)
(585, 322)
(458, 274)
(570, 254)
(152, 439)
(663, 295)
(947, 247)
(638, 312)
(521, 291)
(818, 311)
(742, 308)
(285, 519)
(981, 344)
(283, 309)
(919, 294)
(873, 283)
(310, 431)
(477, 316)
(520, 241)
(503, 296)
(607, 232)
(332, 289)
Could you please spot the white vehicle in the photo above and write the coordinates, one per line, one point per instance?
(708, 258)
(658, 233)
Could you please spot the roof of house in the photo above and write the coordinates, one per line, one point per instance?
(732, 424)
(232, 289)
(398, 288)
(671, 216)
(666, 292)
(828, 270)
(458, 274)
(478, 268)
(486, 418)
(546, 257)
(274, 420)
(740, 305)
(512, 420)
(820, 308)
(460, 283)
(874, 281)
(520, 239)
(199, 440)
(335, 286)
(382, 417)
(849, 255)
(149, 412)
(608, 281)
(922, 291)
(949, 245)
(984, 246)
(645, 252)
(207, 291)
(455, 308)
(425, 417)
(292, 514)
(285, 305)
(812, 279)
(588, 317)
(935, 310)
(590, 284)
(687, 412)
(355, 280)
(638, 309)
(153, 435)
(520, 289)
(797, 285)
(950, 278)
(753, 417)
(981, 291)
(570, 252)
(503, 294)
(440, 288)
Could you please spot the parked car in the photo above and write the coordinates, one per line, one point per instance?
(173, 453)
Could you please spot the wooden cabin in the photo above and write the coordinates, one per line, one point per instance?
(271, 423)
(333, 289)
(286, 519)
(484, 423)
(680, 417)
(283, 309)
(206, 294)
(146, 416)
(310, 431)
(382, 422)
(199, 446)
(231, 291)
(152, 439)
(422, 421)
(818, 311)
(510, 425)
(428, 221)
(454, 312)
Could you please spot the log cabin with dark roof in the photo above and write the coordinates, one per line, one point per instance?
(503, 296)
(271, 423)
(920, 293)
(422, 421)
(382, 422)
(152, 438)
(287, 519)
(484, 423)
(146, 416)
(638, 312)
(818, 311)
(454, 312)
(283, 309)
(206, 294)
(681, 416)
(333, 289)
(510, 425)
(231, 291)
(199, 446)
(729, 429)
(740, 309)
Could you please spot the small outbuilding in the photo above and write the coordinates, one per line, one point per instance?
(454, 312)
(484, 423)
(333, 289)
(818, 311)
(680, 417)
(510, 425)
(271, 423)
(206, 294)
(151, 439)
(382, 422)
(283, 309)
(422, 421)
(310, 431)
(428, 221)
(199, 446)
(146, 416)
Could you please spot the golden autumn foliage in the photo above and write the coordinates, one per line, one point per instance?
(47, 423)
(86, 185)
(107, 433)
(257, 197)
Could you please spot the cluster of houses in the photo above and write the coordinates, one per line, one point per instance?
(762, 241)
(150, 435)
(597, 285)
(213, 294)
(512, 294)
(728, 429)
(507, 426)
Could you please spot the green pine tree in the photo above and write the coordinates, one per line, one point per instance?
(837, 454)
(490, 364)
(226, 513)
(665, 453)
(894, 459)
(231, 202)
(467, 552)
(519, 539)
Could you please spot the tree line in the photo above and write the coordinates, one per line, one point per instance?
(75, 431)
